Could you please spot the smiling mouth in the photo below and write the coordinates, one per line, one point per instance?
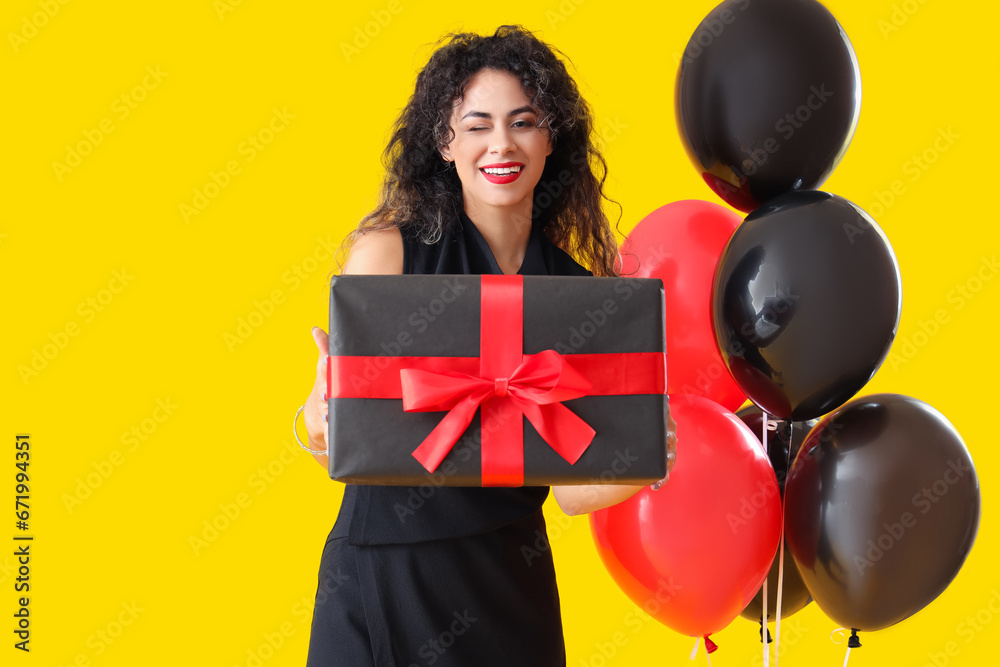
(503, 173)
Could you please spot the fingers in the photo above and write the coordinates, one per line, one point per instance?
(322, 341)
(316, 416)
(671, 441)
(671, 450)
(316, 405)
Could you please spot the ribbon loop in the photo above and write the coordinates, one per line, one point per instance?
(537, 388)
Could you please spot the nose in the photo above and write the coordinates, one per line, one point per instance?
(502, 142)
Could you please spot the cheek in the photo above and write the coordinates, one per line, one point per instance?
(467, 151)
(542, 148)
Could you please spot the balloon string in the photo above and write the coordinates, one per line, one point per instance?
(763, 590)
(763, 623)
(848, 656)
(694, 651)
(781, 553)
(777, 606)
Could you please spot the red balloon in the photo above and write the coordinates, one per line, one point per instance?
(694, 553)
(681, 243)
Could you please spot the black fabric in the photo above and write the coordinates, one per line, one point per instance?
(405, 569)
(465, 251)
(488, 600)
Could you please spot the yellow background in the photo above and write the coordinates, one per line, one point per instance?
(168, 331)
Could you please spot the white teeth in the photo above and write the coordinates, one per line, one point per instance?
(501, 172)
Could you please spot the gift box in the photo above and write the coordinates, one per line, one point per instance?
(496, 380)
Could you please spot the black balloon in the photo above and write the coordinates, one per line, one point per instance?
(881, 509)
(806, 303)
(794, 594)
(768, 96)
(783, 444)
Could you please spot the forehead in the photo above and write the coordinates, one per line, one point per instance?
(492, 90)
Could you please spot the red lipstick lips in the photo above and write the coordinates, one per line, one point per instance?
(502, 178)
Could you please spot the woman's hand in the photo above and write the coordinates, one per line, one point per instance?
(671, 438)
(374, 253)
(586, 498)
(316, 406)
(671, 447)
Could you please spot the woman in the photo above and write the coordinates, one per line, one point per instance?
(489, 171)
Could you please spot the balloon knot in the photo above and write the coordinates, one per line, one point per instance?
(762, 630)
(710, 646)
(854, 641)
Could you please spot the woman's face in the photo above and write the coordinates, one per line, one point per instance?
(499, 150)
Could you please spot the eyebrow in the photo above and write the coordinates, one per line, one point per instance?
(483, 114)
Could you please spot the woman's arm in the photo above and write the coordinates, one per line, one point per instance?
(588, 498)
(375, 253)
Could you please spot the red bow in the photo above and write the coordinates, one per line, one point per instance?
(536, 387)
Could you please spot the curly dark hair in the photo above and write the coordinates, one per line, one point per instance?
(423, 193)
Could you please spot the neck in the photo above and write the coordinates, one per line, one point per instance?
(506, 230)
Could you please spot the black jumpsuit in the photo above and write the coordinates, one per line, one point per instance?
(446, 576)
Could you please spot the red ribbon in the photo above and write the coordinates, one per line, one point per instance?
(504, 383)
(535, 388)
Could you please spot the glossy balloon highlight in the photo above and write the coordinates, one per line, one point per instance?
(806, 303)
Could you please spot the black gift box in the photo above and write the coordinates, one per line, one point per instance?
(381, 324)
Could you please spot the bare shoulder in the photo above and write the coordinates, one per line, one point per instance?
(376, 253)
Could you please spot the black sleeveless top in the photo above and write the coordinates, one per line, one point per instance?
(405, 514)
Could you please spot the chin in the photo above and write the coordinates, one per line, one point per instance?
(498, 200)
